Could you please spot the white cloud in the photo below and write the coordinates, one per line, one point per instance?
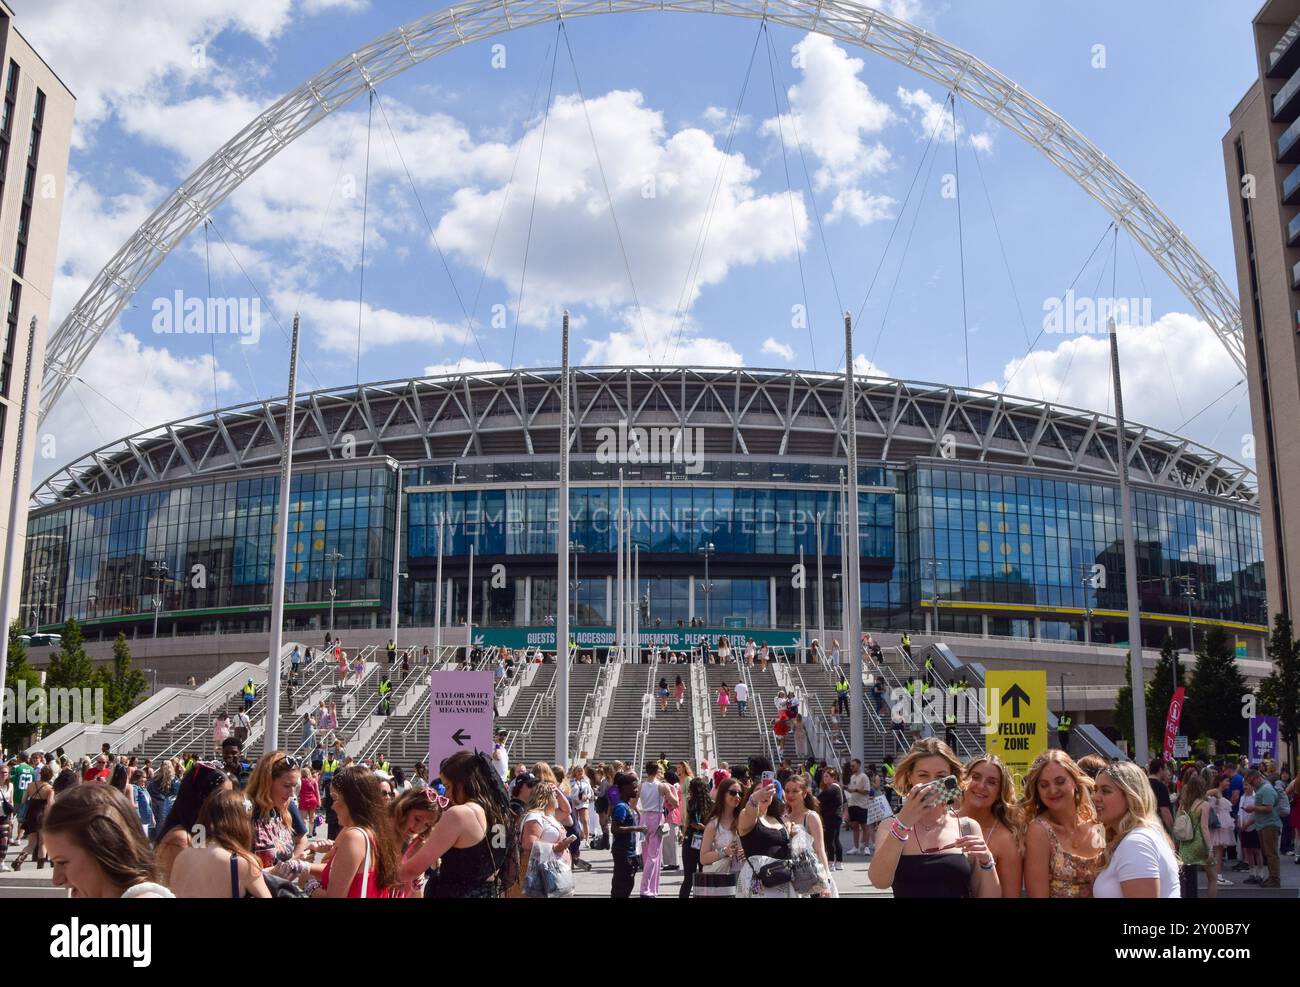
(142, 386)
(864, 207)
(462, 366)
(906, 10)
(92, 228)
(928, 117)
(1177, 354)
(343, 6)
(660, 184)
(662, 344)
(778, 350)
(862, 367)
(333, 323)
(152, 45)
(834, 112)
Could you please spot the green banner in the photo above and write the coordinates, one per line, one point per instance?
(674, 638)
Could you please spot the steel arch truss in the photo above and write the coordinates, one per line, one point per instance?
(772, 414)
(851, 22)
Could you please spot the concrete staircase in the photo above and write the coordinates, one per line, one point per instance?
(672, 733)
(618, 734)
(741, 737)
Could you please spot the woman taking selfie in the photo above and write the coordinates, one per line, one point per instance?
(926, 851)
(1139, 859)
(765, 838)
(1063, 841)
(990, 799)
(720, 851)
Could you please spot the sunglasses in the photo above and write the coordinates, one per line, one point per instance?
(432, 797)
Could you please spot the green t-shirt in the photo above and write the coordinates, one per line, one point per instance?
(1266, 794)
(23, 775)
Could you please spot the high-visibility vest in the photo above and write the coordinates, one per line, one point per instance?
(385, 688)
(250, 690)
(384, 767)
(842, 688)
(1064, 723)
(328, 767)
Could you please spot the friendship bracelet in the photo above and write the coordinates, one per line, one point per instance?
(897, 831)
(989, 866)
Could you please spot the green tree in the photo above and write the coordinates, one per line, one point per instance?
(70, 666)
(1124, 705)
(1279, 694)
(1160, 690)
(1215, 693)
(16, 731)
(121, 683)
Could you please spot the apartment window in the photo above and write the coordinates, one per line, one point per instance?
(29, 183)
(7, 122)
(11, 337)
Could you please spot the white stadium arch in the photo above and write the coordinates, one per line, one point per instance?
(849, 21)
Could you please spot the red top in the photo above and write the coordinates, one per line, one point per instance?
(354, 891)
(309, 794)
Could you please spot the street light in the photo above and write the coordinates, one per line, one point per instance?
(575, 548)
(1086, 579)
(1189, 593)
(38, 611)
(707, 550)
(159, 571)
(334, 558)
(932, 566)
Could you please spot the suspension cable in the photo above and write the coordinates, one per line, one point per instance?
(532, 209)
(609, 198)
(207, 264)
(961, 239)
(695, 264)
(365, 209)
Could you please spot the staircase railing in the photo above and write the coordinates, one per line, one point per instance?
(705, 741)
(647, 714)
(757, 705)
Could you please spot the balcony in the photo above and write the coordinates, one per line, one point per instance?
(1291, 187)
(1286, 105)
(1288, 145)
(1284, 59)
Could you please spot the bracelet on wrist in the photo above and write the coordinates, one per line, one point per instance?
(900, 832)
(990, 865)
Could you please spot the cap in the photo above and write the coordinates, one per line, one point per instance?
(527, 778)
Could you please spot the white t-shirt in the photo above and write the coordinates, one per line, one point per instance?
(742, 692)
(501, 760)
(552, 831)
(1143, 853)
(651, 797)
(859, 800)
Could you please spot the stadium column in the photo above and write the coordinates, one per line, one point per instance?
(280, 563)
(13, 565)
(853, 574)
(618, 593)
(397, 557)
(1130, 562)
(562, 558)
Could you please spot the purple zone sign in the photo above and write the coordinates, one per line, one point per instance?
(460, 715)
(1263, 738)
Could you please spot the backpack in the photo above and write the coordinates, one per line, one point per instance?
(1185, 826)
(1283, 806)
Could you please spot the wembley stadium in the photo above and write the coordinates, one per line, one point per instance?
(980, 513)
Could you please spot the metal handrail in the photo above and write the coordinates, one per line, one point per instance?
(756, 701)
(643, 735)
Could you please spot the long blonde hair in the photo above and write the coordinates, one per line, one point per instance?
(1130, 779)
(1005, 808)
(923, 748)
(1030, 804)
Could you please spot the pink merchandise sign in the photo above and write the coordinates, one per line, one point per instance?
(460, 715)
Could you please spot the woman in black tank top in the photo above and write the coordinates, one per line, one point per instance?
(926, 851)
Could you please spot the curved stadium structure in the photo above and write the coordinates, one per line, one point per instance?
(988, 513)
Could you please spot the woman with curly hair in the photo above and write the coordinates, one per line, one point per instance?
(990, 799)
(1138, 860)
(1063, 841)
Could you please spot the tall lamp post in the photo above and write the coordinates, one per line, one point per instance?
(706, 587)
(333, 558)
(933, 566)
(821, 593)
(575, 548)
(1189, 593)
(159, 572)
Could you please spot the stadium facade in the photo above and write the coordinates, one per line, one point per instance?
(989, 514)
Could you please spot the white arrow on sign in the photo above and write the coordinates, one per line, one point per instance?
(1264, 729)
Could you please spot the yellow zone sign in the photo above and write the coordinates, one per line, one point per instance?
(1016, 731)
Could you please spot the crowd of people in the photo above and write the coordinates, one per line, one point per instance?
(931, 826)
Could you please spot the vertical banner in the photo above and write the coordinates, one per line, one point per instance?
(1016, 704)
(460, 715)
(1172, 720)
(1262, 741)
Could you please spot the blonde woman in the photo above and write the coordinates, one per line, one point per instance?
(1139, 859)
(990, 799)
(1192, 832)
(802, 812)
(1063, 842)
(926, 851)
(540, 822)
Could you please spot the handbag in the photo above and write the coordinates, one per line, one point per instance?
(776, 873)
(282, 887)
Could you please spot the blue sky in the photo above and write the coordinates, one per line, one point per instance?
(660, 93)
